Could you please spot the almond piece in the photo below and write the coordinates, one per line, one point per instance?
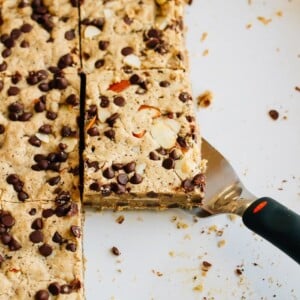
(71, 143)
(139, 134)
(156, 110)
(91, 31)
(43, 137)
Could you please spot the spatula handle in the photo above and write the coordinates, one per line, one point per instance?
(276, 223)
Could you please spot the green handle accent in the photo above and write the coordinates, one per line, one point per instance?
(276, 223)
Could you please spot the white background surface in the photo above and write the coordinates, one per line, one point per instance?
(250, 71)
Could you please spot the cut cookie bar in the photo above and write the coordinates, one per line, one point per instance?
(37, 36)
(132, 34)
(39, 137)
(41, 251)
(142, 144)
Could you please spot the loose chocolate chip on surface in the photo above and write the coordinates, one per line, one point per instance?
(3, 66)
(168, 163)
(117, 166)
(45, 250)
(36, 236)
(136, 179)
(274, 114)
(115, 251)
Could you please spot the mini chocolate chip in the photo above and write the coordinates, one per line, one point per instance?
(54, 180)
(70, 34)
(93, 131)
(3, 66)
(36, 236)
(95, 186)
(51, 115)
(43, 164)
(22, 196)
(6, 53)
(104, 101)
(54, 288)
(182, 142)
(164, 83)
(127, 51)
(1, 85)
(135, 79)
(24, 117)
(18, 186)
(25, 44)
(115, 251)
(127, 20)
(14, 245)
(99, 63)
(110, 134)
(154, 156)
(1, 260)
(57, 238)
(199, 180)
(71, 99)
(47, 213)
(65, 61)
(41, 295)
(109, 173)
(117, 188)
(154, 33)
(6, 238)
(25, 28)
(153, 43)
(136, 179)
(76, 231)
(12, 179)
(2, 129)
(168, 163)
(16, 78)
(35, 141)
(39, 106)
(65, 289)
(7, 220)
(274, 114)
(32, 211)
(122, 179)
(60, 83)
(46, 128)
(183, 97)
(66, 131)
(119, 101)
(117, 166)
(130, 167)
(37, 224)
(103, 45)
(38, 157)
(44, 87)
(9, 42)
(188, 185)
(71, 247)
(174, 154)
(13, 90)
(45, 250)
(15, 33)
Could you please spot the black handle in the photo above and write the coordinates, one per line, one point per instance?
(276, 223)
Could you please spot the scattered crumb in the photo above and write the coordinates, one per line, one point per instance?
(173, 219)
(239, 270)
(274, 114)
(195, 219)
(232, 217)
(249, 2)
(115, 251)
(297, 88)
(181, 225)
(204, 36)
(279, 13)
(205, 99)
(120, 219)
(212, 228)
(277, 49)
(140, 219)
(187, 237)
(157, 273)
(205, 266)
(248, 26)
(205, 52)
(119, 270)
(198, 288)
(221, 243)
(219, 232)
(171, 253)
(263, 20)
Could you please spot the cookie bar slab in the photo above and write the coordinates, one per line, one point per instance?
(142, 147)
(132, 34)
(39, 138)
(38, 36)
(41, 251)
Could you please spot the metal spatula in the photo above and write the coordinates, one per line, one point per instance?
(225, 193)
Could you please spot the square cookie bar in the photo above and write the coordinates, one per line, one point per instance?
(39, 136)
(36, 36)
(142, 147)
(41, 251)
(132, 34)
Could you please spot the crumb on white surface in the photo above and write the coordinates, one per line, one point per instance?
(205, 99)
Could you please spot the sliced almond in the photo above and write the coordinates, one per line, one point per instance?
(155, 110)
(132, 60)
(103, 114)
(91, 31)
(140, 168)
(43, 137)
(173, 124)
(71, 143)
(162, 22)
(139, 134)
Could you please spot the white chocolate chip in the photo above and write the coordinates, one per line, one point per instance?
(133, 61)
(43, 137)
(163, 133)
(91, 31)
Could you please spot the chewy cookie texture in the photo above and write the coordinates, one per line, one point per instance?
(142, 145)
